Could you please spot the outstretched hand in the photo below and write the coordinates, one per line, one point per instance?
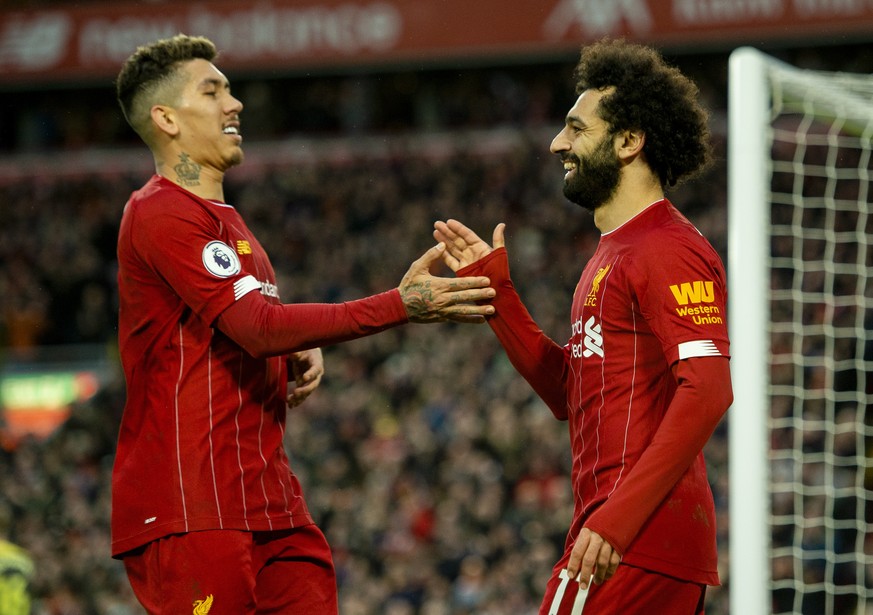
(428, 298)
(463, 246)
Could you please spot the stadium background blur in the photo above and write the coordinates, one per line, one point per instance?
(440, 479)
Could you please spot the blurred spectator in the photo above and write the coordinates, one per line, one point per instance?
(16, 570)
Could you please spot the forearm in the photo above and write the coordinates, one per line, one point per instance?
(265, 329)
(703, 396)
(534, 355)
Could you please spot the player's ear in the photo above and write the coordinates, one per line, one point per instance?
(164, 119)
(630, 143)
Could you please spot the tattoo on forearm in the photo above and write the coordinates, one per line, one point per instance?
(188, 172)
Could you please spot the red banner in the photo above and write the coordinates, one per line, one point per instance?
(91, 41)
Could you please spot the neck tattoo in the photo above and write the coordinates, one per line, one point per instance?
(187, 172)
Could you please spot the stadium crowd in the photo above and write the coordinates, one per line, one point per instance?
(439, 478)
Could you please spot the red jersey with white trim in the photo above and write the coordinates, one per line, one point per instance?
(653, 293)
(201, 439)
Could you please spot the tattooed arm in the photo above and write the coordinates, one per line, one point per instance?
(428, 298)
(267, 329)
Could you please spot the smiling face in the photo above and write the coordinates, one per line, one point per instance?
(587, 150)
(207, 118)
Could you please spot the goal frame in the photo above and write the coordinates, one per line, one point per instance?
(748, 306)
(760, 90)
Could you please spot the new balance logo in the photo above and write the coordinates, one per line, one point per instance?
(698, 348)
(596, 18)
(35, 42)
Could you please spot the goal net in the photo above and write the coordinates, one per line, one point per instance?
(800, 231)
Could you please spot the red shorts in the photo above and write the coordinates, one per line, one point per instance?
(631, 591)
(235, 572)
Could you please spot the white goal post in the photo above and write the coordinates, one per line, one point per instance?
(800, 257)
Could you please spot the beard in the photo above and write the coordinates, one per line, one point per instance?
(596, 177)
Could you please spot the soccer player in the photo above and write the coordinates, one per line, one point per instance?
(206, 512)
(644, 378)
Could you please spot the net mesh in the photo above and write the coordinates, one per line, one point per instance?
(821, 363)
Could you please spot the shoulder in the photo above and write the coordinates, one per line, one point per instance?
(161, 213)
(161, 203)
(157, 197)
(671, 249)
(667, 234)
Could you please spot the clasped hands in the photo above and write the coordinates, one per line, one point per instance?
(428, 298)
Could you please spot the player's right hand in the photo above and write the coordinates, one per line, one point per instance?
(428, 298)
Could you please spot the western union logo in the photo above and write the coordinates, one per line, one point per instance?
(243, 247)
(693, 292)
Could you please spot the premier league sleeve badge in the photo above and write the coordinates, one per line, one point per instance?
(220, 259)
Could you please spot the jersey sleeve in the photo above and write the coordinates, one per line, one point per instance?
(542, 362)
(682, 294)
(182, 245)
(703, 396)
(265, 329)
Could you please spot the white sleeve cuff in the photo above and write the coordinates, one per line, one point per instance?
(698, 348)
(245, 285)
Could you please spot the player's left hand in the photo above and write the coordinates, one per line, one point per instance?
(307, 368)
(463, 245)
(592, 555)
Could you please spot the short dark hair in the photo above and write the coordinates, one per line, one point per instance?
(152, 66)
(651, 96)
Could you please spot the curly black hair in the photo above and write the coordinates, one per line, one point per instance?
(153, 65)
(651, 96)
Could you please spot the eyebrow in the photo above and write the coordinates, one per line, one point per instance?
(212, 81)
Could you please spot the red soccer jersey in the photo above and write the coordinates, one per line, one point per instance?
(201, 438)
(653, 293)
